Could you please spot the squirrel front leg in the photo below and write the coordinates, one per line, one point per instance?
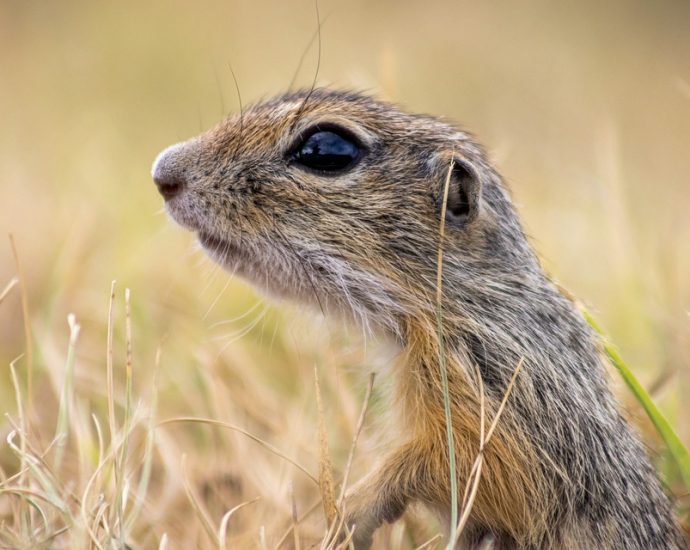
(372, 502)
(383, 495)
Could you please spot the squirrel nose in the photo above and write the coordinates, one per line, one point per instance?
(169, 185)
(167, 173)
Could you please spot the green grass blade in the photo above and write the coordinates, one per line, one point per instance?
(675, 445)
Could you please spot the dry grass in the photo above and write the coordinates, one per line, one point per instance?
(186, 416)
(82, 486)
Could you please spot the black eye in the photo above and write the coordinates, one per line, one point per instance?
(327, 151)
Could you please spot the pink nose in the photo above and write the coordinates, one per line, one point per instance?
(168, 174)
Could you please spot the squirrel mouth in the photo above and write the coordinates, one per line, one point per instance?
(208, 241)
(219, 248)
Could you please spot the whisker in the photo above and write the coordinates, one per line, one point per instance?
(216, 266)
(215, 301)
(300, 110)
(240, 134)
(300, 260)
(306, 51)
(220, 93)
(235, 319)
(233, 337)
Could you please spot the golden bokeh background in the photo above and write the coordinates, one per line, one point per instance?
(584, 107)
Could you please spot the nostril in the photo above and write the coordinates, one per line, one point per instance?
(168, 172)
(168, 184)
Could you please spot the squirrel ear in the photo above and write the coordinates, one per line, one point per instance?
(464, 191)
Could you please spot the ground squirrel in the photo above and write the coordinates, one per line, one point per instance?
(335, 199)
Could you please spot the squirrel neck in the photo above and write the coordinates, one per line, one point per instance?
(495, 326)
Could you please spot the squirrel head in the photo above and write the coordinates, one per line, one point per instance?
(336, 199)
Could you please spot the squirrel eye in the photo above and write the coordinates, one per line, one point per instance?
(327, 151)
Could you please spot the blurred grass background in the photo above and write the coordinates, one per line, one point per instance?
(585, 108)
